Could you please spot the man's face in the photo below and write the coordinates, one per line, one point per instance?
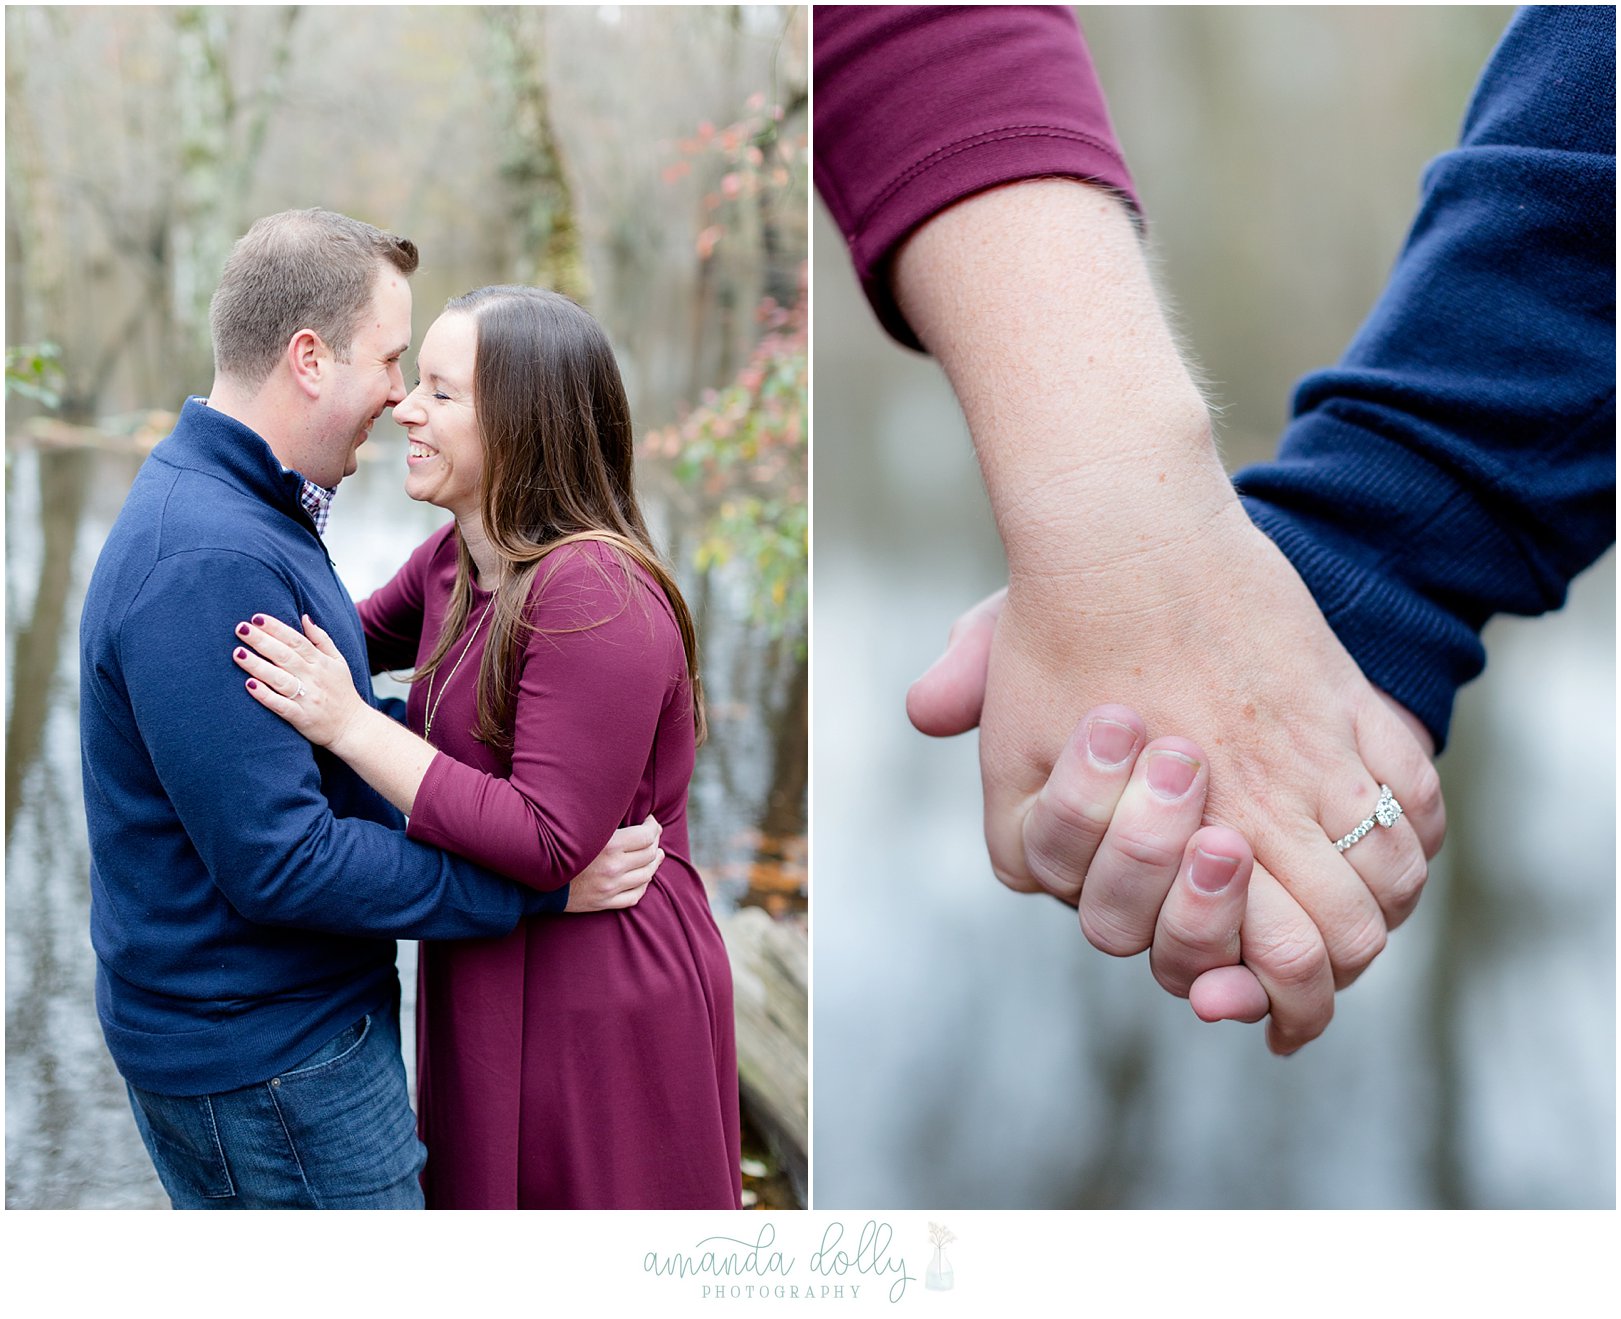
(370, 380)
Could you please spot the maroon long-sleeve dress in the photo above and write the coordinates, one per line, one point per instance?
(919, 106)
(583, 1061)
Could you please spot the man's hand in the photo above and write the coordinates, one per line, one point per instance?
(622, 871)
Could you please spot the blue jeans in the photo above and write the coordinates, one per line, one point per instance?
(334, 1132)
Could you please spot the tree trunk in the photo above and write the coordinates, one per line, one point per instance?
(785, 799)
(222, 134)
(204, 108)
(35, 229)
(550, 250)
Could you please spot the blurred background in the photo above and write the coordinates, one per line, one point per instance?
(971, 1048)
(648, 161)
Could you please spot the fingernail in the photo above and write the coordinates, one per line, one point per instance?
(1211, 874)
(242, 629)
(258, 620)
(252, 685)
(1109, 743)
(1171, 774)
(240, 653)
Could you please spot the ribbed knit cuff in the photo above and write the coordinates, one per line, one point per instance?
(1404, 644)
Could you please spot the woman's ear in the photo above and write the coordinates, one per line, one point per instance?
(308, 359)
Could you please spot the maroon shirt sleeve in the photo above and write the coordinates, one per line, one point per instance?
(919, 106)
(594, 681)
(392, 614)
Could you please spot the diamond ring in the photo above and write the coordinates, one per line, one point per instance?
(1385, 813)
(300, 692)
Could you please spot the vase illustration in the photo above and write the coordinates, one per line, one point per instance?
(938, 1277)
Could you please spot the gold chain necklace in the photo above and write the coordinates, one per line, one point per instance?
(433, 705)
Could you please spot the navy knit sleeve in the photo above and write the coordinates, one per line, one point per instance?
(1459, 461)
(250, 791)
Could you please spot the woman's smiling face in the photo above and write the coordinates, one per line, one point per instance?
(445, 460)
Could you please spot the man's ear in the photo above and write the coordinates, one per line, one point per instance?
(309, 360)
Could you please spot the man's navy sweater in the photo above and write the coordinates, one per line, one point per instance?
(245, 887)
(1460, 459)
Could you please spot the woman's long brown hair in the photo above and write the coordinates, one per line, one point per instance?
(558, 468)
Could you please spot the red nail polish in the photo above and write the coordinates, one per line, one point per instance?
(240, 653)
(258, 620)
(252, 685)
(242, 629)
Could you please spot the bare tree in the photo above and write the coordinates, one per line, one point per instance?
(125, 189)
(222, 120)
(540, 200)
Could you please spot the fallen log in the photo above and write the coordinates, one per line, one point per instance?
(769, 978)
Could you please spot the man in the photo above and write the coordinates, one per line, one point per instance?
(246, 888)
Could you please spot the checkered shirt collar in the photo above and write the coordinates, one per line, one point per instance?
(317, 501)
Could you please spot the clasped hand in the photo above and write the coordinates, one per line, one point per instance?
(1291, 745)
(1135, 576)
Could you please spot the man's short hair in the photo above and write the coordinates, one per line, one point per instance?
(298, 270)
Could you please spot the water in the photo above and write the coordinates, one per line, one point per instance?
(70, 1139)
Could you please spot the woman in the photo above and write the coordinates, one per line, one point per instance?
(579, 1063)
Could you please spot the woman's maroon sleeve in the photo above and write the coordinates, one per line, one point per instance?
(392, 614)
(594, 681)
(919, 106)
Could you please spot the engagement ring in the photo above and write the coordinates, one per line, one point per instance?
(1385, 813)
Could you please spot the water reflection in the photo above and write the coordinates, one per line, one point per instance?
(63, 477)
(70, 1140)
